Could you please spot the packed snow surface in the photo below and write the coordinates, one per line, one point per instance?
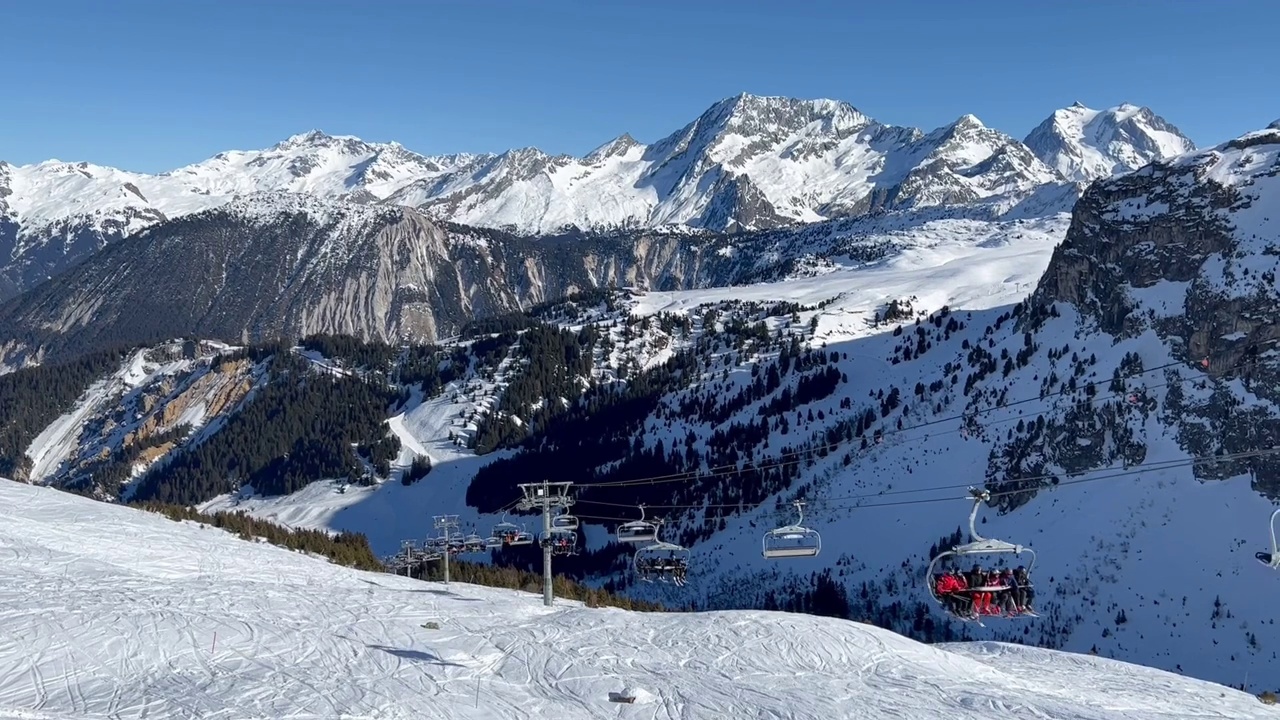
(113, 612)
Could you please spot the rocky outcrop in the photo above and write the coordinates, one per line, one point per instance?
(1190, 248)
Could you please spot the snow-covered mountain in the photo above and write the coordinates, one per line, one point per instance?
(748, 162)
(282, 264)
(1084, 145)
(114, 612)
(875, 371)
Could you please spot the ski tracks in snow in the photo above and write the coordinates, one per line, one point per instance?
(112, 613)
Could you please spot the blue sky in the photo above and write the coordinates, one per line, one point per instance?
(156, 84)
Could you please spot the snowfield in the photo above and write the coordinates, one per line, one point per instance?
(112, 612)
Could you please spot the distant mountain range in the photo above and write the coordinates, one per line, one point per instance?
(747, 163)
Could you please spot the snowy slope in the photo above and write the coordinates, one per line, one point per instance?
(1086, 145)
(191, 622)
(970, 264)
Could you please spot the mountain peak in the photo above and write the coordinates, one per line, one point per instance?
(615, 147)
(1275, 125)
(310, 136)
(1084, 145)
(315, 138)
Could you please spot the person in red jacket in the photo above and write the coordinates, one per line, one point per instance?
(945, 586)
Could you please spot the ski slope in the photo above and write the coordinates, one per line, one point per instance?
(112, 612)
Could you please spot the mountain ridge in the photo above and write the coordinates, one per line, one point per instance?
(746, 163)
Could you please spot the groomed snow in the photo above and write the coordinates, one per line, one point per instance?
(113, 612)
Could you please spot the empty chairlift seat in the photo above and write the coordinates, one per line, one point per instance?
(792, 541)
(638, 531)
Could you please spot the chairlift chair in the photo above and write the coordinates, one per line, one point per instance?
(564, 521)
(493, 541)
(792, 540)
(563, 542)
(668, 561)
(473, 543)
(637, 531)
(506, 531)
(524, 537)
(1272, 559)
(977, 545)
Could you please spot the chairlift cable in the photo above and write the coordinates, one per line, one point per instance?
(1132, 470)
(801, 455)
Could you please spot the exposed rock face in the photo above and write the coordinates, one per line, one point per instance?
(282, 265)
(1191, 249)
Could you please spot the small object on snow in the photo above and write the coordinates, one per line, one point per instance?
(627, 695)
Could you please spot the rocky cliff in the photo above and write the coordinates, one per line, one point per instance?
(1188, 250)
(282, 265)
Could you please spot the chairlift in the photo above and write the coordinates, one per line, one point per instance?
(524, 537)
(564, 521)
(562, 542)
(637, 531)
(666, 561)
(978, 545)
(792, 540)
(473, 543)
(1271, 559)
(493, 541)
(506, 531)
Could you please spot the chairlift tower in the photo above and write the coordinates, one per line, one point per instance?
(407, 547)
(445, 523)
(545, 496)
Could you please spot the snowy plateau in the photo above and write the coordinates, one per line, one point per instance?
(748, 162)
(114, 612)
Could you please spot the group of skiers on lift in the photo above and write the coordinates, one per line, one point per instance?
(677, 568)
(986, 592)
(560, 543)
